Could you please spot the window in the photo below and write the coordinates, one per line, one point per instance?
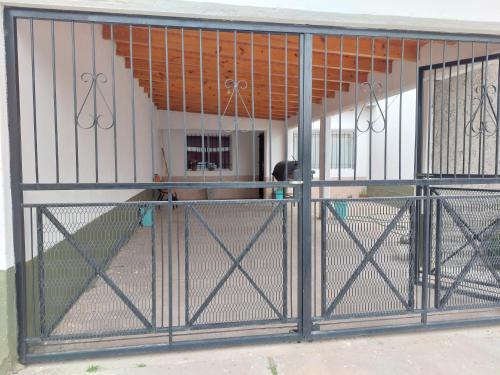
(346, 140)
(208, 152)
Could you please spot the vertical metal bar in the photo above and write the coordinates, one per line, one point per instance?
(54, 96)
(315, 257)
(151, 104)
(386, 105)
(132, 98)
(448, 123)
(430, 111)
(497, 124)
(286, 107)
(401, 67)
(162, 268)
(253, 106)
(270, 106)
(327, 164)
(153, 268)
(75, 115)
(169, 124)
(113, 93)
(417, 150)
(412, 255)
(219, 121)
(33, 90)
(340, 107)
(471, 108)
(178, 236)
(371, 112)
(285, 261)
(94, 102)
(305, 99)
(33, 272)
(433, 135)
(323, 258)
(437, 260)
(485, 108)
(425, 263)
(443, 68)
(41, 271)
(202, 109)
(480, 130)
(465, 118)
(236, 98)
(170, 276)
(184, 104)
(13, 113)
(186, 261)
(457, 90)
(356, 110)
(291, 259)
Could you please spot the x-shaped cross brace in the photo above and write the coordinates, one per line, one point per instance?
(96, 266)
(368, 258)
(236, 264)
(472, 239)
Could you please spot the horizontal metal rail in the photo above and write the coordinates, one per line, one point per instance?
(145, 20)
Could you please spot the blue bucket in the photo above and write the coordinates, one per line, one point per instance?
(341, 209)
(146, 216)
(279, 194)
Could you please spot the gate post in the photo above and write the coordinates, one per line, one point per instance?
(426, 253)
(13, 113)
(304, 229)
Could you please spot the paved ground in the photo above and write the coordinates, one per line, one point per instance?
(466, 351)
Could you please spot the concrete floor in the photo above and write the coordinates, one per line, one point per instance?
(465, 351)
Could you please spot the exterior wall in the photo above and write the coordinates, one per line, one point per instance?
(445, 91)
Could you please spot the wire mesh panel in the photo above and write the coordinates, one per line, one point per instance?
(95, 270)
(236, 263)
(368, 256)
(467, 252)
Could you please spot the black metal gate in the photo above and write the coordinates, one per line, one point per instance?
(113, 258)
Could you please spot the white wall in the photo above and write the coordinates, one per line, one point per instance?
(65, 115)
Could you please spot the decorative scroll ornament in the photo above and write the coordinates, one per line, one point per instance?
(485, 103)
(95, 118)
(372, 89)
(233, 89)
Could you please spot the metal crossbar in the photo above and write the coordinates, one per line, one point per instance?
(233, 259)
(236, 264)
(472, 238)
(368, 256)
(96, 267)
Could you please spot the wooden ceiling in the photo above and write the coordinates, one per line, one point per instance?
(339, 68)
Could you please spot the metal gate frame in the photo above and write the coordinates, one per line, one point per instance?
(305, 326)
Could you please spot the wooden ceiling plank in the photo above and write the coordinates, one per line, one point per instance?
(175, 55)
(226, 40)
